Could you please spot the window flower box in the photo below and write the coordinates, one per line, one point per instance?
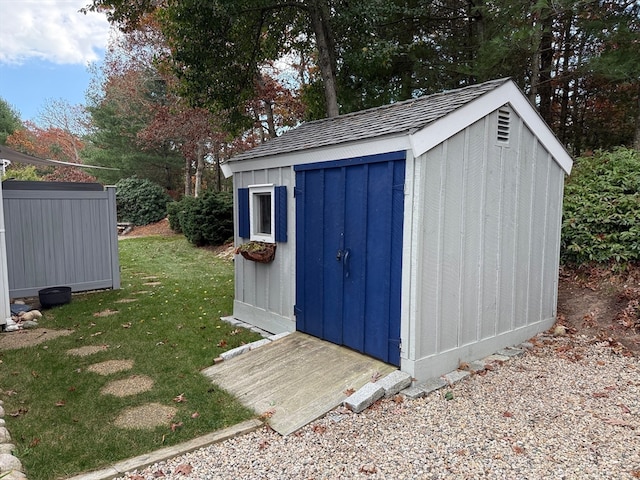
(261, 252)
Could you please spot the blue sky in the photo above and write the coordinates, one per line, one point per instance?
(45, 48)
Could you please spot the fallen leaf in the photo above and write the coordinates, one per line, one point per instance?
(135, 477)
(34, 442)
(268, 414)
(369, 469)
(600, 395)
(618, 422)
(126, 325)
(349, 391)
(72, 389)
(60, 403)
(222, 343)
(195, 415)
(398, 399)
(96, 334)
(375, 376)
(17, 413)
(518, 449)
(158, 474)
(262, 444)
(319, 429)
(175, 426)
(507, 414)
(180, 398)
(235, 332)
(34, 374)
(624, 408)
(184, 469)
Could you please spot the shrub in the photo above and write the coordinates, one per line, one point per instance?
(602, 209)
(140, 201)
(176, 210)
(207, 220)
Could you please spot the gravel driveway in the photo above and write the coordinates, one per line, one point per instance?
(568, 409)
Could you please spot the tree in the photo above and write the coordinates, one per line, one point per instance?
(218, 48)
(9, 120)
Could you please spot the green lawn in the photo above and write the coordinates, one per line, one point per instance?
(60, 422)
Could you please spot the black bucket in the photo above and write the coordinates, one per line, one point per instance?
(51, 297)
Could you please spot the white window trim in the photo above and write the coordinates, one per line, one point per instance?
(256, 190)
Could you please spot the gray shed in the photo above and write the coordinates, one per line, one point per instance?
(425, 233)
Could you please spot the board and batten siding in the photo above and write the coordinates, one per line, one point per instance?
(61, 238)
(265, 293)
(482, 234)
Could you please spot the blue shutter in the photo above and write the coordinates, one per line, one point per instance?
(281, 214)
(243, 213)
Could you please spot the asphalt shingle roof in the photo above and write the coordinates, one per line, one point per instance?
(396, 118)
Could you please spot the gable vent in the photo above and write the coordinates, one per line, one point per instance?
(504, 123)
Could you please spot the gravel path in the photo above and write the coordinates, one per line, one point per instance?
(568, 409)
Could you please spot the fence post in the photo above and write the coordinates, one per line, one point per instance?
(113, 222)
(5, 307)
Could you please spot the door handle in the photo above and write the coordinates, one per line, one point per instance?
(339, 255)
(347, 254)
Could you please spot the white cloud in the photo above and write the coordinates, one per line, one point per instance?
(51, 30)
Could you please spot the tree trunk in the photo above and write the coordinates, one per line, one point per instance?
(199, 169)
(271, 121)
(636, 140)
(187, 177)
(319, 16)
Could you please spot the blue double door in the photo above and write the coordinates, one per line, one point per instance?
(349, 218)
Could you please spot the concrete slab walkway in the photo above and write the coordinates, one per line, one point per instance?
(296, 379)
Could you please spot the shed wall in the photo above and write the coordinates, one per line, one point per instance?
(61, 238)
(265, 293)
(485, 236)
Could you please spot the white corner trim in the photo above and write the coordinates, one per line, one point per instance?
(425, 139)
(226, 169)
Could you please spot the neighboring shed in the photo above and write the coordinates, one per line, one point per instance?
(59, 234)
(425, 233)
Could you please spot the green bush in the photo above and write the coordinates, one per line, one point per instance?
(140, 201)
(175, 212)
(601, 220)
(206, 220)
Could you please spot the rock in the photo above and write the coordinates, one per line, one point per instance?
(560, 331)
(9, 462)
(30, 324)
(4, 435)
(7, 448)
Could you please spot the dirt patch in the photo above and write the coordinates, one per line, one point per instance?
(160, 228)
(106, 313)
(28, 338)
(87, 350)
(146, 417)
(110, 366)
(128, 386)
(593, 301)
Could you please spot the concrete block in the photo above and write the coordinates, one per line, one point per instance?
(495, 358)
(394, 382)
(455, 376)
(259, 343)
(364, 397)
(414, 392)
(510, 352)
(278, 336)
(234, 352)
(433, 384)
(477, 366)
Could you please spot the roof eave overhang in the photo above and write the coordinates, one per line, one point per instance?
(437, 132)
(352, 149)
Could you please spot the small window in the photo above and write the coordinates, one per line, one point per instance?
(504, 123)
(261, 213)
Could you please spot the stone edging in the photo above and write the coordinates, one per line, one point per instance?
(10, 466)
